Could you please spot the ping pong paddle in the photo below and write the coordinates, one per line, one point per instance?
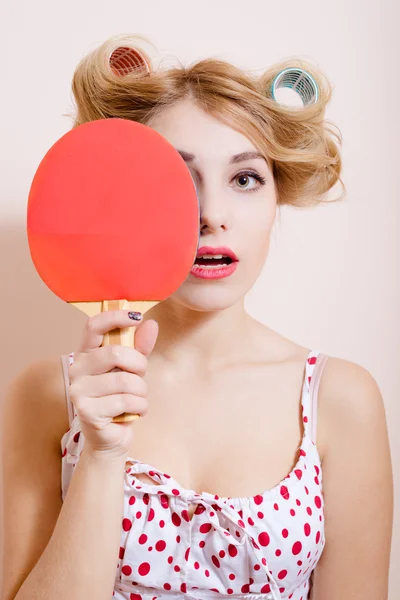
(113, 219)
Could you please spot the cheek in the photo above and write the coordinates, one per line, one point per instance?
(256, 229)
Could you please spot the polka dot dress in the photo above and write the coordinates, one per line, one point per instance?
(260, 547)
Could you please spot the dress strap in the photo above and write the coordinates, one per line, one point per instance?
(314, 386)
(313, 370)
(66, 360)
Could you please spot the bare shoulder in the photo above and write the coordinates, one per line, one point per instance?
(357, 483)
(36, 396)
(348, 395)
(34, 419)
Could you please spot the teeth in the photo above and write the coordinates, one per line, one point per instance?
(213, 256)
(211, 266)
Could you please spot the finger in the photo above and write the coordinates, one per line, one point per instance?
(93, 410)
(146, 336)
(106, 358)
(99, 324)
(107, 384)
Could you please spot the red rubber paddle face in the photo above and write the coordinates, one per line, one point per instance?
(113, 214)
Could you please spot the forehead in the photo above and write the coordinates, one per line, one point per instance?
(188, 127)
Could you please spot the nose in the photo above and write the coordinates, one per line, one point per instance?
(214, 211)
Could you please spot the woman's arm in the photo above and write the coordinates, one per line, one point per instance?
(357, 486)
(54, 550)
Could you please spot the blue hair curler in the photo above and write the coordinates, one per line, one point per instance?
(299, 81)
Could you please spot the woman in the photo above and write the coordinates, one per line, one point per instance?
(216, 490)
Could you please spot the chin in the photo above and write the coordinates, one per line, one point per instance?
(206, 299)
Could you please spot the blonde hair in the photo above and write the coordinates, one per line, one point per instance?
(300, 144)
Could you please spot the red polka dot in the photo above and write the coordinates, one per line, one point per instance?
(309, 510)
(160, 546)
(76, 437)
(175, 492)
(299, 473)
(260, 515)
(135, 597)
(164, 500)
(306, 488)
(121, 553)
(266, 588)
(126, 524)
(257, 567)
(176, 519)
(132, 500)
(276, 507)
(285, 533)
(185, 515)
(296, 548)
(207, 573)
(298, 502)
(183, 588)
(196, 565)
(232, 576)
(232, 550)
(146, 498)
(143, 538)
(177, 568)
(264, 539)
(317, 537)
(221, 553)
(316, 469)
(138, 514)
(229, 591)
(284, 492)
(278, 552)
(215, 561)
(127, 570)
(305, 419)
(258, 499)
(162, 523)
(202, 544)
(317, 501)
(167, 586)
(151, 514)
(282, 574)
(187, 554)
(170, 560)
(292, 512)
(250, 521)
(245, 589)
(302, 452)
(205, 527)
(307, 529)
(240, 523)
(144, 569)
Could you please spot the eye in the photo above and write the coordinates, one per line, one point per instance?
(244, 177)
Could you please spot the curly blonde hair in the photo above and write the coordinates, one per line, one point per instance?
(301, 145)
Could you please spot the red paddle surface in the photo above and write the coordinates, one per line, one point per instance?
(113, 214)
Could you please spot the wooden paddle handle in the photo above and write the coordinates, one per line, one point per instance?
(121, 337)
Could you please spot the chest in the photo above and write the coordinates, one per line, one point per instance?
(232, 434)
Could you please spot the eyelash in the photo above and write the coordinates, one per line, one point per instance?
(256, 176)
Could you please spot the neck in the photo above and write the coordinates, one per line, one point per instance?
(192, 338)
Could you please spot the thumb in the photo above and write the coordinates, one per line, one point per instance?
(145, 336)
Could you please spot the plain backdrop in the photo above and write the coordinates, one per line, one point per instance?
(331, 280)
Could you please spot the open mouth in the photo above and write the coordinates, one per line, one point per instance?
(210, 261)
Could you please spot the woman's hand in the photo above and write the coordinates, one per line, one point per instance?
(99, 394)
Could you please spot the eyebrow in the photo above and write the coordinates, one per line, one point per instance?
(187, 157)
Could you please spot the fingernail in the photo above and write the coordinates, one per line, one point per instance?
(135, 316)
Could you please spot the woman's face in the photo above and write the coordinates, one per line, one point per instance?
(237, 210)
